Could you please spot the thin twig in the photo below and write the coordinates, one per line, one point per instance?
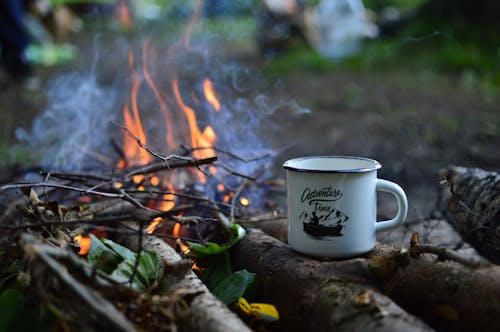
(146, 215)
(235, 173)
(139, 252)
(235, 197)
(59, 186)
(261, 218)
(228, 153)
(130, 199)
(156, 167)
(443, 253)
(75, 176)
(155, 154)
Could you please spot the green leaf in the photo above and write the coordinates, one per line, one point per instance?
(101, 256)
(201, 250)
(147, 270)
(119, 261)
(215, 268)
(123, 252)
(234, 286)
(11, 302)
(148, 266)
(18, 312)
(123, 273)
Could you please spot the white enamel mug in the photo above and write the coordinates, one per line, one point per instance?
(332, 205)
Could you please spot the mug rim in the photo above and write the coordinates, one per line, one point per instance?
(375, 165)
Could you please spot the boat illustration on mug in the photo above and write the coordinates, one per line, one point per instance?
(330, 224)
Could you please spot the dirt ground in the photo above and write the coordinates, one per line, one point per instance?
(414, 123)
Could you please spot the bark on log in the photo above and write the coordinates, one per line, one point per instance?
(319, 296)
(447, 294)
(206, 312)
(347, 294)
(470, 200)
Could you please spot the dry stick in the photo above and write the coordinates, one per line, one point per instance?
(99, 207)
(155, 167)
(75, 176)
(93, 299)
(59, 186)
(182, 195)
(144, 216)
(235, 196)
(139, 252)
(159, 166)
(235, 173)
(443, 253)
(232, 155)
(122, 194)
(261, 218)
(229, 153)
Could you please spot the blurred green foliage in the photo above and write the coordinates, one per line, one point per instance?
(449, 41)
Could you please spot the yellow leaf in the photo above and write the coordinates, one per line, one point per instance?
(262, 311)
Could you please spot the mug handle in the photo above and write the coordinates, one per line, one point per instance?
(397, 191)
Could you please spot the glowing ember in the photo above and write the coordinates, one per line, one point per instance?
(244, 201)
(84, 243)
(155, 181)
(85, 199)
(138, 178)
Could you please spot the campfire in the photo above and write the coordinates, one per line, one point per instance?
(176, 171)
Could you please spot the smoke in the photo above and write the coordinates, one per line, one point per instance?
(74, 133)
(75, 125)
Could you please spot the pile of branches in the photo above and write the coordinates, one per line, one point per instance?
(41, 221)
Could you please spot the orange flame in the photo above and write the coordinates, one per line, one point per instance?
(210, 95)
(84, 243)
(202, 141)
(151, 228)
(132, 119)
(176, 232)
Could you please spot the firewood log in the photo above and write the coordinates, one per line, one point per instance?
(206, 312)
(469, 199)
(319, 296)
(361, 293)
